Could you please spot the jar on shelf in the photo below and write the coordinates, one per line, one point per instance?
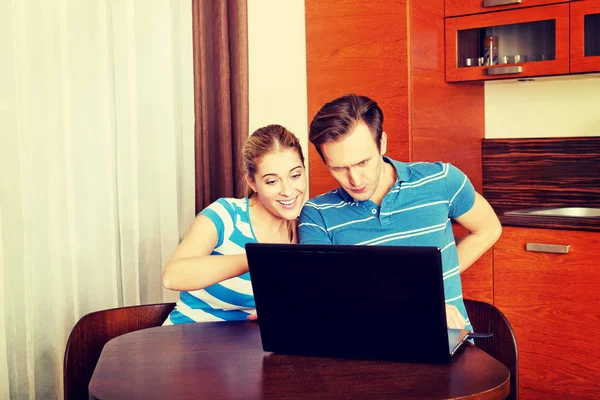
(490, 50)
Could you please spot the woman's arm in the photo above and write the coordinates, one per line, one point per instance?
(192, 267)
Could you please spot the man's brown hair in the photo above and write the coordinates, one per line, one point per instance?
(338, 117)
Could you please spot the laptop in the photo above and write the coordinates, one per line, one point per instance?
(362, 302)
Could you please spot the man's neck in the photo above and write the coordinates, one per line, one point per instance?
(386, 181)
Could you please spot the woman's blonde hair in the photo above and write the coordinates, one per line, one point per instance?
(267, 140)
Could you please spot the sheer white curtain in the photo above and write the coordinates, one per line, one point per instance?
(97, 169)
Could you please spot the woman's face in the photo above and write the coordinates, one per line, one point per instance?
(280, 183)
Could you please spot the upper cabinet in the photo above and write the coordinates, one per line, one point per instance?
(528, 40)
(465, 7)
(585, 36)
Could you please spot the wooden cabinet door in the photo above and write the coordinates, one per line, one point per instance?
(553, 303)
(357, 47)
(585, 36)
(464, 7)
(541, 34)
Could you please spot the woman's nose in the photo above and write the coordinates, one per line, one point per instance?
(286, 188)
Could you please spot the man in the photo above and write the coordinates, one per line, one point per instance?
(381, 201)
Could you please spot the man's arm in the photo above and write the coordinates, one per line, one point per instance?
(311, 227)
(485, 229)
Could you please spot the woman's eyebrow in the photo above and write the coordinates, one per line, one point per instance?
(277, 176)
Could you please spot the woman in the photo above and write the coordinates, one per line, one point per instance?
(209, 266)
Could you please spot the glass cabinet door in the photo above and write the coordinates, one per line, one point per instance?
(509, 44)
(585, 36)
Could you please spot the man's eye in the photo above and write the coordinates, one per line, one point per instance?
(363, 162)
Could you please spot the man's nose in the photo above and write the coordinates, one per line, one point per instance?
(353, 177)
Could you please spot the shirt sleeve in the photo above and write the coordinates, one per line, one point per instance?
(311, 227)
(461, 193)
(219, 213)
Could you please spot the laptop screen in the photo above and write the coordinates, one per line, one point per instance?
(382, 302)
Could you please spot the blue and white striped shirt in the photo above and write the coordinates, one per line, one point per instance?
(231, 299)
(416, 211)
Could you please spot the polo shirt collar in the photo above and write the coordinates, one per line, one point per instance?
(403, 173)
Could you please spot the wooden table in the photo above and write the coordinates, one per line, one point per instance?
(225, 360)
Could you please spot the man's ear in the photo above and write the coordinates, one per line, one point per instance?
(383, 143)
(251, 183)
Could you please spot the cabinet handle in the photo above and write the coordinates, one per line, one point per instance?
(516, 69)
(548, 248)
(495, 3)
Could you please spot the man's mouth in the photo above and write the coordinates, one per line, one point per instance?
(358, 190)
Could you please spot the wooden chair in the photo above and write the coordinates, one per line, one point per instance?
(91, 333)
(502, 345)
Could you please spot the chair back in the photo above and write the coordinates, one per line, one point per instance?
(502, 345)
(93, 331)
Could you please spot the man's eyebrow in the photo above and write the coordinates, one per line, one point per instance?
(353, 165)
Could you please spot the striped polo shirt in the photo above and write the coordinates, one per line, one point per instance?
(416, 211)
(231, 299)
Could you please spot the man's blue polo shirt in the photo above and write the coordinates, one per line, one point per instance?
(415, 212)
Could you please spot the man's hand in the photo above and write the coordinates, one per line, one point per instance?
(454, 318)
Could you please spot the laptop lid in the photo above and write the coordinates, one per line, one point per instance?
(368, 302)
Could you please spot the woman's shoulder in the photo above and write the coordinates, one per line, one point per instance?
(230, 205)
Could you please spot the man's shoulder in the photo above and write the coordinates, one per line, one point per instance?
(326, 197)
(425, 168)
(420, 171)
(332, 200)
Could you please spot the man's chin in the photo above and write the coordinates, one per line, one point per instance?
(360, 196)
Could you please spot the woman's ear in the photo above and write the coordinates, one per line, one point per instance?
(251, 183)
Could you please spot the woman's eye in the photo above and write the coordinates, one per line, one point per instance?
(363, 162)
(296, 176)
(270, 182)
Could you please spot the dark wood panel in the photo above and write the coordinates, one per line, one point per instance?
(446, 121)
(553, 304)
(531, 221)
(547, 172)
(355, 46)
(463, 7)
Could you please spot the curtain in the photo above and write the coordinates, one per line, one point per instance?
(220, 30)
(97, 164)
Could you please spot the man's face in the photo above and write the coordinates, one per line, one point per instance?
(355, 162)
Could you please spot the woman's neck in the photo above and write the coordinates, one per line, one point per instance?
(267, 227)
